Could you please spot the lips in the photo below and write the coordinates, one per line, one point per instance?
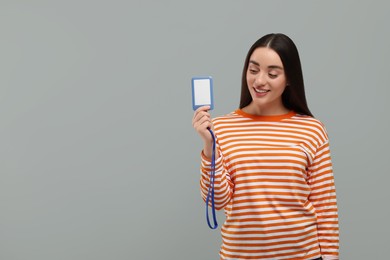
(261, 91)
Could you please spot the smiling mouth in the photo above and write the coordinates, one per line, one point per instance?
(261, 90)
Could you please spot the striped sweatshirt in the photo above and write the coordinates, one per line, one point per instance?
(274, 180)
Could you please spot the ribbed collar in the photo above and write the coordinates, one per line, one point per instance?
(266, 118)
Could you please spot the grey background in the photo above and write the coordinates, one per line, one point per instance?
(98, 158)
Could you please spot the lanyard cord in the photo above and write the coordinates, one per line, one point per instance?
(210, 193)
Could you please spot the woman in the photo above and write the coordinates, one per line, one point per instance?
(273, 174)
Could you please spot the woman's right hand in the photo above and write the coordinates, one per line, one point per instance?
(201, 121)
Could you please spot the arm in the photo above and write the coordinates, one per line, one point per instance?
(323, 198)
(223, 186)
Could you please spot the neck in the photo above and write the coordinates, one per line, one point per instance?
(253, 109)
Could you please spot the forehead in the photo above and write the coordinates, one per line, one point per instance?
(266, 57)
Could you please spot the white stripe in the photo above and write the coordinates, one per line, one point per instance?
(265, 254)
(255, 181)
(261, 237)
(291, 205)
(300, 162)
(243, 170)
(263, 137)
(297, 193)
(260, 214)
(255, 197)
(285, 222)
(293, 244)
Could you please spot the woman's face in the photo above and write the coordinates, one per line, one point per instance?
(266, 79)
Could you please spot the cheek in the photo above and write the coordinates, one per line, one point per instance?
(280, 85)
(280, 89)
(249, 79)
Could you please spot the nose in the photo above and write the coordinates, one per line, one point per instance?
(260, 79)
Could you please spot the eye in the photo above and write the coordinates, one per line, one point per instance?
(272, 76)
(253, 71)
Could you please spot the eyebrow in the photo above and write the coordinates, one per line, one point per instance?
(270, 67)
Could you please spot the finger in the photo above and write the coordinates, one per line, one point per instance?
(202, 128)
(202, 114)
(201, 121)
(203, 108)
(206, 124)
(200, 110)
(201, 117)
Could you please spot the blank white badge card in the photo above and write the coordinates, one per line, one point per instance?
(202, 92)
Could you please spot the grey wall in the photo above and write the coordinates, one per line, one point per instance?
(98, 158)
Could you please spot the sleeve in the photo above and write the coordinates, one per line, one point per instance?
(223, 186)
(323, 198)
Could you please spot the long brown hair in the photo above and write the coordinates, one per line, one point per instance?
(293, 97)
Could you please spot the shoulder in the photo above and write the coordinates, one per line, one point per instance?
(311, 124)
(228, 122)
(309, 120)
(227, 118)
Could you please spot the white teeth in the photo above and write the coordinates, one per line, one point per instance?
(261, 90)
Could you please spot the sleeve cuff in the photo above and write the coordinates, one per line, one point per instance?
(206, 162)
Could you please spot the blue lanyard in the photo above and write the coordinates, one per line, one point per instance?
(210, 193)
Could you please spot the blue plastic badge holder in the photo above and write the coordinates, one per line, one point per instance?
(202, 92)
